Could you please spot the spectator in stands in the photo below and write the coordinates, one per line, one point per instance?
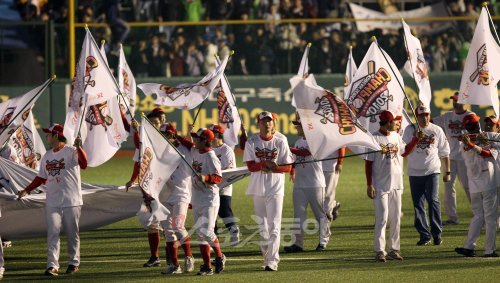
(156, 57)
(272, 14)
(209, 54)
(194, 60)
(266, 59)
(119, 27)
(439, 52)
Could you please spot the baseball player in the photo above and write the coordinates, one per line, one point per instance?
(451, 123)
(177, 198)
(227, 159)
(308, 188)
(480, 161)
(424, 167)
(60, 172)
(157, 118)
(491, 124)
(384, 178)
(331, 170)
(263, 154)
(205, 199)
(492, 133)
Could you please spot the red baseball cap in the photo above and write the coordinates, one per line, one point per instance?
(265, 114)
(492, 118)
(204, 134)
(454, 97)
(470, 119)
(217, 129)
(422, 110)
(54, 129)
(158, 110)
(387, 116)
(168, 128)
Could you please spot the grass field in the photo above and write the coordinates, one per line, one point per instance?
(117, 252)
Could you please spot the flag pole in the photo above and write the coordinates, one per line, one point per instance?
(308, 46)
(397, 79)
(485, 5)
(330, 158)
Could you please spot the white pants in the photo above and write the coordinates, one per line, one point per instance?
(268, 211)
(301, 198)
(484, 207)
(457, 169)
(331, 179)
(387, 211)
(67, 217)
(204, 223)
(173, 226)
(2, 262)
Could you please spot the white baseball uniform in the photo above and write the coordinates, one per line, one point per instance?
(2, 262)
(496, 137)
(387, 178)
(309, 188)
(268, 190)
(484, 198)
(205, 196)
(451, 123)
(226, 156)
(331, 181)
(63, 202)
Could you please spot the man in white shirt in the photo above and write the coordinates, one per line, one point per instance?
(451, 123)
(384, 178)
(424, 167)
(60, 172)
(263, 152)
(480, 158)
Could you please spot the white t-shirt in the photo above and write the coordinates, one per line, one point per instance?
(178, 187)
(480, 171)
(329, 165)
(205, 195)
(495, 137)
(275, 149)
(387, 169)
(425, 160)
(451, 123)
(225, 154)
(309, 175)
(62, 172)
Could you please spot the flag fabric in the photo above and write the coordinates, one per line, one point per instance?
(27, 144)
(350, 71)
(15, 111)
(233, 175)
(185, 96)
(375, 88)
(417, 67)
(303, 71)
(328, 122)
(158, 161)
(128, 87)
(482, 67)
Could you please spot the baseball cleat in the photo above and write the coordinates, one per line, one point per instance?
(205, 270)
(465, 252)
(394, 255)
(451, 222)
(235, 236)
(438, 241)
(172, 269)
(380, 257)
(220, 263)
(271, 268)
(424, 242)
(493, 254)
(7, 244)
(189, 264)
(71, 269)
(293, 249)
(153, 261)
(320, 248)
(51, 271)
(335, 211)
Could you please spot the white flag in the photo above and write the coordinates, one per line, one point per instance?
(327, 121)
(375, 88)
(303, 71)
(27, 144)
(350, 71)
(482, 68)
(418, 67)
(15, 111)
(233, 175)
(185, 96)
(128, 86)
(158, 161)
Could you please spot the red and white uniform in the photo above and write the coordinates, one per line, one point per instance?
(267, 189)
(481, 166)
(63, 202)
(205, 195)
(496, 137)
(226, 156)
(309, 188)
(387, 178)
(451, 123)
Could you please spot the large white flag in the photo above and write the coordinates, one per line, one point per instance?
(158, 161)
(228, 113)
(417, 66)
(482, 67)
(128, 87)
(350, 71)
(27, 144)
(303, 71)
(327, 121)
(15, 111)
(185, 96)
(375, 88)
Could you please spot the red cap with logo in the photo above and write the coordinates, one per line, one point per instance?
(470, 119)
(204, 134)
(492, 118)
(217, 129)
(265, 114)
(168, 128)
(387, 116)
(422, 110)
(454, 97)
(54, 129)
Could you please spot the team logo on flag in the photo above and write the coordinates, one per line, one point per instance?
(96, 117)
(334, 110)
(266, 154)
(4, 121)
(25, 147)
(481, 72)
(90, 64)
(225, 110)
(145, 174)
(54, 167)
(370, 94)
(126, 81)
(421, 70)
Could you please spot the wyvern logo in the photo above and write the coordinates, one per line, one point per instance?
(266, 154)
(426, 141)
(96, 117)
(481, 72)
(225, 110)
(173, 92)
(54, 167)
(421, 70)
(370, 94)
(145, 174)
(334, 110)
